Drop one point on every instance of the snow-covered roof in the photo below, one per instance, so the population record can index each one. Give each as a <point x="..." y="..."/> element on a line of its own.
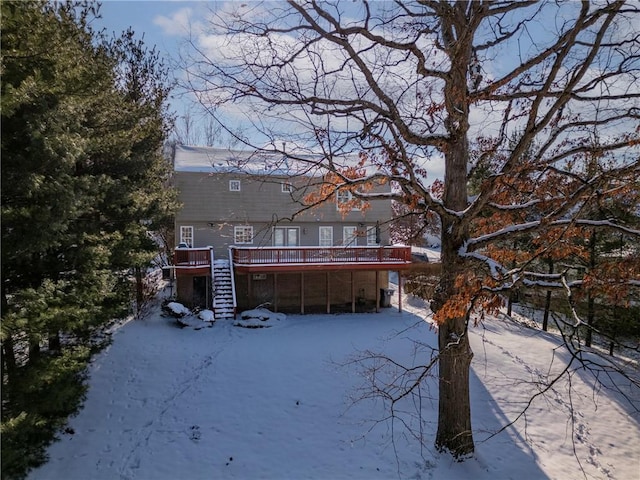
<point x="220" y="160"/>
<point x="259" y="162"/>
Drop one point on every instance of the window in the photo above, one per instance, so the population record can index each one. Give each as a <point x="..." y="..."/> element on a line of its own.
<point x="186" y="236"/>
<point x="234" y="185"/>
<point x="243" y="234"/>
<point x="286" y="236"/>
<point x="326" y="236"/>
<point x="345" y="196"/>
<point x="286" y="187"/>
<point x="349" y="236"/>
<point x="373" y="236"/>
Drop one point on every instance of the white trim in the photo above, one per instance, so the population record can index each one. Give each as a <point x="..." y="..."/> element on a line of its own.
<point x="286" y="187"/>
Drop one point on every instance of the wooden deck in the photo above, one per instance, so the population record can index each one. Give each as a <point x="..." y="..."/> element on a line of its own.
<point x="197" y="261"/>
<point x="302" y="262"/>
<point x="292" y="259"/>
<point x="192" y="261"/>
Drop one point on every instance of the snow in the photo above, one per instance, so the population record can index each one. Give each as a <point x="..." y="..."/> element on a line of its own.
<point x="259" y="318"/>
<point x="206" y="316"/>
<point x="432" y="254"/>
<point x="277" y="403"/>
<point x="178" y="308"/>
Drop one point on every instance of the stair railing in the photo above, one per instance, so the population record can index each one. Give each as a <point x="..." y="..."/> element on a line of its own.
<point x="233" y="283"/>
<point x="213" y="282"/>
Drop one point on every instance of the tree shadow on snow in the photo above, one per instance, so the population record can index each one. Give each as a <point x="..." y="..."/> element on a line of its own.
<point x="529" y="374"/>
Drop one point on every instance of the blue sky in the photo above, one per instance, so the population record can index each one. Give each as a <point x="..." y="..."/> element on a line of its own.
<point x="142" y="16"/>
<point x="150" y="18"/>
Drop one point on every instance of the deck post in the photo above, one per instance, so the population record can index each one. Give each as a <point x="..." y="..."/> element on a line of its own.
<point x="302" y="293"/>
<point x="328" y="294"/>
<point x="353" y="294"/>
<point x="377" y="291"/>
<point x="275" y="292"/>
<point x="400" y="291"/>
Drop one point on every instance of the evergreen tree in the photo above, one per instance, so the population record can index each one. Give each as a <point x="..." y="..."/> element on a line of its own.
<point x="83" y="184"/>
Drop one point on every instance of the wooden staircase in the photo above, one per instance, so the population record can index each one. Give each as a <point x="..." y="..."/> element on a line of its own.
<point x="223" y="307"/>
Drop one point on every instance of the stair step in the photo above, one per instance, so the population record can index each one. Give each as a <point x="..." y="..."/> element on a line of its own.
<point x="222" y="290"/>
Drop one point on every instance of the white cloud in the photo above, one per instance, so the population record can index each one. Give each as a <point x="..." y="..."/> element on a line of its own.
<point x="177" y="24"/>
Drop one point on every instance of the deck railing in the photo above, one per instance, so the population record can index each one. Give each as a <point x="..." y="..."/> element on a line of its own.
<point x="192" y="257"/>
<point x="319" y="255"/>
<point x="233" y="282"/>
<point x="200" y="257"/>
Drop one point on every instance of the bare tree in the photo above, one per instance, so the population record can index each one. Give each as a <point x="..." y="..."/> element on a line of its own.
<point x="409" y="86"/>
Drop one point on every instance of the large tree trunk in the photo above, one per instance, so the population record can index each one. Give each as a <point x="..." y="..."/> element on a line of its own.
<point x="454" y="419"/>
<point x="454" y="410"/>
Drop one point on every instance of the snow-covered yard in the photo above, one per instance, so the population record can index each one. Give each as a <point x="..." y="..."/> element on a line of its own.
<point x="275" y="403"/>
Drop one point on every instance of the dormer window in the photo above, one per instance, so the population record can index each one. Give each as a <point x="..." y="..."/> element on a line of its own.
<point x="234" y="185"/>
<point x="286" y="187"/>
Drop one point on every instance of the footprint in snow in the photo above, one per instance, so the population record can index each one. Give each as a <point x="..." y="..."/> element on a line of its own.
<point x="195" y="434"/>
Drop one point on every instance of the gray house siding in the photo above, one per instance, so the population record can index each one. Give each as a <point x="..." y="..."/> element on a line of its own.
<point x="213" y="210"/>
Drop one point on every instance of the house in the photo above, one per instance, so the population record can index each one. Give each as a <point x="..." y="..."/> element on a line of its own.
<point x="248" y="235"/>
